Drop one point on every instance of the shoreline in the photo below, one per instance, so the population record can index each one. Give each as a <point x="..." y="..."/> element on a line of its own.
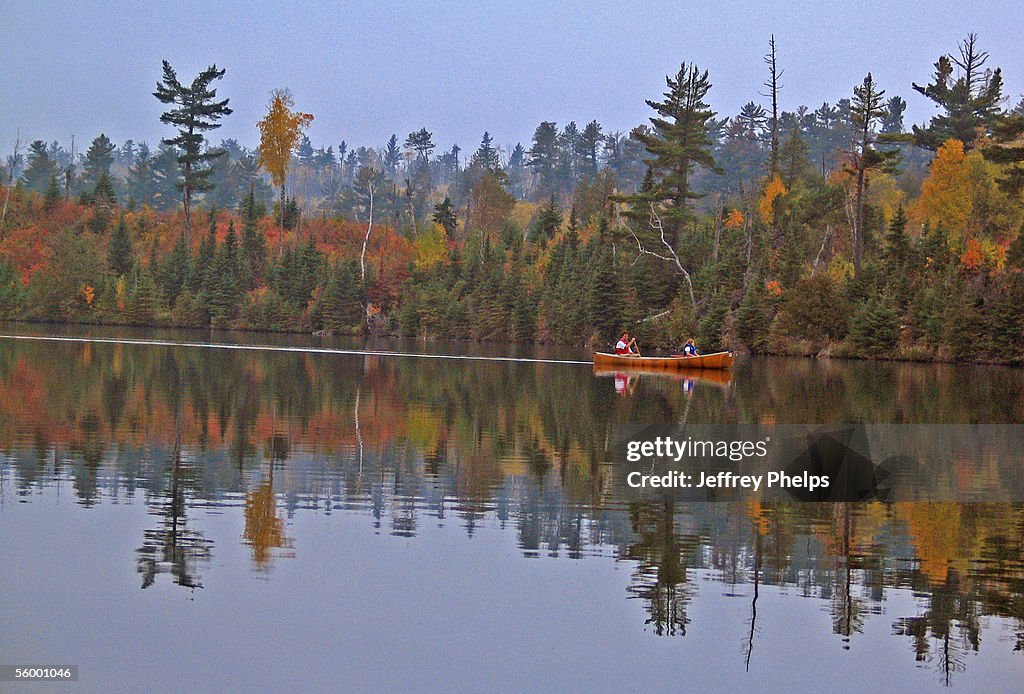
<point x="799" y="350"/>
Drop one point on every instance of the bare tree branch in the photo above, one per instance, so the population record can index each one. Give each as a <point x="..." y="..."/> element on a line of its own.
<point x="672" y="257"/>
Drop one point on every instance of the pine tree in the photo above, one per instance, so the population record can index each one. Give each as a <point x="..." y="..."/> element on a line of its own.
<point x="52" y="197"/>
<point x="679" y="144"/>
<point x="176" y="272"/>
<point x="603" y="307"/>
<point x="97" y="162"/>
<point x="543" y="158"/>
<point x="194" y="112"/>
<point x="141" y="182"/>
<point x="221" y="291"/>
<point x="143" y="302"/>
<point x="486" y="156"/>
<point x="549" y="221"/>
<point x="204" y="259"/>
<point x="253" y="249"/>
<point x="753" y="317"/>
<point x="119" y="250"/>
<point x="103" y="195"/>
<point x="587" y="148"/>
<point x="444" y="214"/>
<point x="342" y="299"/>
<point x="866" y="109"/>
<point x="391" y="157"/>
<point x="39" y="169"/>
<point x="875" y="327"/>
<point x="1007" y="149"/>
<point x="897" y="244"/>
<point x="970" y="102"/>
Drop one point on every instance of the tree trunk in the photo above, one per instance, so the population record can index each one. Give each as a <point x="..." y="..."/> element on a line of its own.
<point x="280" y="234"/>
<point x="366" y="241"/>
<point x="186" y="231"/>
<point x="858" y="223"/>
<point x="718" y="230"/>
<point x="773" y="86"/>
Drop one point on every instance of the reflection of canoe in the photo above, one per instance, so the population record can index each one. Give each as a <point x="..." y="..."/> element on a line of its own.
<point x="718" y="360"/>
<point x="720" y="377"/>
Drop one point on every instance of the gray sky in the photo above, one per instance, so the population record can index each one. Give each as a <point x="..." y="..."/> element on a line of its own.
<point x="366" y="70"/>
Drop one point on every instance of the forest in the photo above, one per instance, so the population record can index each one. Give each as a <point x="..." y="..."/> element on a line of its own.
<point x="836" y="230"/>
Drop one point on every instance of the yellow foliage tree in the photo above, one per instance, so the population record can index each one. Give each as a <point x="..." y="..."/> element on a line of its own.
<point x="946" y="195"/>
<point x="429" y="248"/>
<point x="766" y="205"/>
<point x="959" y="193"/>
<point x="734" y="219"/>
<point x="120" y="293"/>
<point x="280" y="131"/>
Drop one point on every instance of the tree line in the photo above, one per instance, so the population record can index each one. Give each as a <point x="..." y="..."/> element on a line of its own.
<point x="836" y="229"/>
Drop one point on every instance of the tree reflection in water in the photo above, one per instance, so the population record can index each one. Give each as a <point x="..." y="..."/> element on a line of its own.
<point x="521" y="447"/>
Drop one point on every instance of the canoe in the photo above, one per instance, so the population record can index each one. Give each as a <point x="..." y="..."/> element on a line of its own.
<point x="718" y="360"/>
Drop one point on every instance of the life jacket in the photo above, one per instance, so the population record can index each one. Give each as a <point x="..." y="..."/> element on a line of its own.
<point x="621" y="348"/>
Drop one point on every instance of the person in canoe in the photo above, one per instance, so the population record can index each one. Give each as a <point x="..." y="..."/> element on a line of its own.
<point x="690" y="349"/>
<point x="625" y="345"/>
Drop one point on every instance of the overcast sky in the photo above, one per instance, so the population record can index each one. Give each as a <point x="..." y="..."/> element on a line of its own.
<point x="366" y="70"/>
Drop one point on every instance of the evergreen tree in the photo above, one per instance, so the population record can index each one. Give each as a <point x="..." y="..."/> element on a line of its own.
<point x="176" y="272"/>
<point x="103" y="201"/>
<point x="897" y="244"/>
<point x="253" y="249"/>
<point x="52" y="197"/>
<point x="141" y="181"/>
<point x="342" y="298"/>
<point x="143" y="302"/>
<point x="221" y="291"/>
<point x="119" y="250"/>
<point x="875" y="327"/>
<point x="97" y="162"/>
<point x="549" y="220"/>
<point x="866" y="109"/>
<point x="753" y="317"/>
<point x="679" y="143"/>
<point x="1007" y="149"/>
<point x="970" y="102"/>
<point x="205" y="257"/>
<point x="604" y="292"/>
<point x="543" y="158"/>
<point x="166" y="177"/>
<point x="391" y="158"/>
<point x="444" y="215"/>
<point x="194" y="112"/>
<point x="587" y="148"/>
<point x="486" y="156"/>
<point x="103" y="195"/>
<point x="39" y="168"/>
<point x="517" y="171"/>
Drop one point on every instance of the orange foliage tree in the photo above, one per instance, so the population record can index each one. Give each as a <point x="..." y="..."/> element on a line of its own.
<point x="766" y="205"/>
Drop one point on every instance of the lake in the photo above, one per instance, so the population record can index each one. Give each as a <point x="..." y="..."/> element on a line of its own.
<point x="219" y="519"/>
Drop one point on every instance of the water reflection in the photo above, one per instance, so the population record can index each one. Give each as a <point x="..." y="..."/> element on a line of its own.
<point x="408" y="442"/>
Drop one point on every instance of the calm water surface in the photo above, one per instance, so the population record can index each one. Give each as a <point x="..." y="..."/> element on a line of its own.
<point x="188" y="519"/>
